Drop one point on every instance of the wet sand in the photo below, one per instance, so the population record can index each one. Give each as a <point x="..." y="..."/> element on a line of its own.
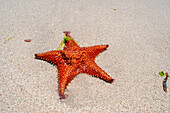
<point x="138" y="36"/>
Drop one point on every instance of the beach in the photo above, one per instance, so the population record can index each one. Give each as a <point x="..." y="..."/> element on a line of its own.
<point x="138" y="36"/>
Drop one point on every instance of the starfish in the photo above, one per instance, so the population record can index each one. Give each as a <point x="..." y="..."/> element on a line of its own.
<point x="73" y="60"/>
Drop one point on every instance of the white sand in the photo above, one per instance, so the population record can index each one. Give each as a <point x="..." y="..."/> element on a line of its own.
<point x="138" y="37"/>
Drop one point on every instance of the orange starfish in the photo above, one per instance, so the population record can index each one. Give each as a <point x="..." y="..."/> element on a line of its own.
<point x="73" y="60"/>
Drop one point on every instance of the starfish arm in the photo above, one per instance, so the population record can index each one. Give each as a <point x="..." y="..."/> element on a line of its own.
<point x="93" y="51"/>
<point x="51" y="56"/>
<point x="93" y="69"/>
<point x="70" y="44"/>
<point x="66" y="74"/>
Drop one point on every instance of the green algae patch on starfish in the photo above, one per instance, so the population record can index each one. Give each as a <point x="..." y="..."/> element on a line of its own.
<point x="65" y="39"/>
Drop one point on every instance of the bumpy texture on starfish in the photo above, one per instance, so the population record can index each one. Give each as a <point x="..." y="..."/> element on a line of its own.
<point x="73" y="60"/>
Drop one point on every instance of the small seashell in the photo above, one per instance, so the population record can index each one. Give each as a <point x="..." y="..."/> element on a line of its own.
<point x="67" y="32"/>
<point x="27" y="40"/>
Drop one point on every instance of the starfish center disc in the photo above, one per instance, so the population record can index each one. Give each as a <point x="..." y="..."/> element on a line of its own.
<point x="73" y="57"/>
